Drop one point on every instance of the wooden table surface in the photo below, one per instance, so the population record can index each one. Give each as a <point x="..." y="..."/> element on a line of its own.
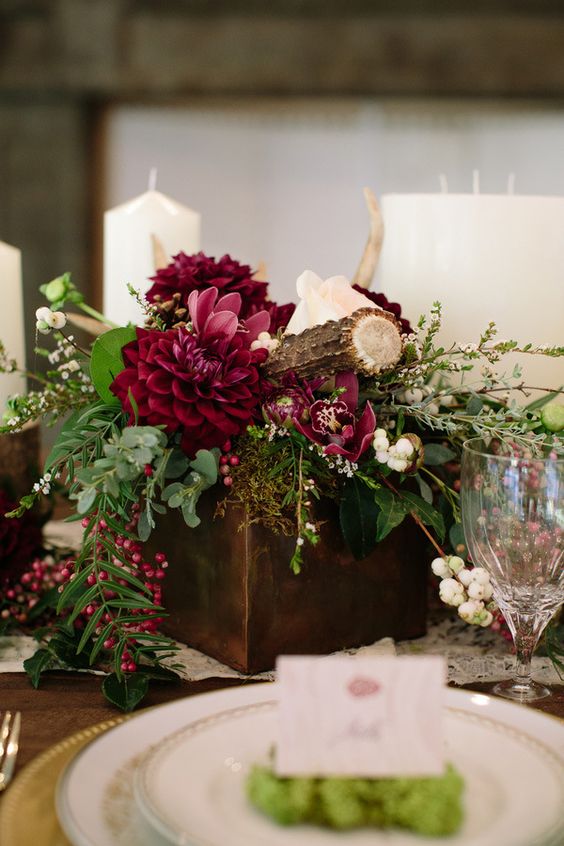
<point x="68" y="702"/>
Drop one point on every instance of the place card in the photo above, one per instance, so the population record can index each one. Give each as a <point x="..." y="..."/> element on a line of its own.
<point x="365" y="717"/>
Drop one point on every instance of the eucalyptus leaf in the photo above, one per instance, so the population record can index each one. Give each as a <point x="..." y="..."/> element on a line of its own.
<point x="86" y="500"/>
<point x="474" y="405"/>
<point x="206" y="464"/>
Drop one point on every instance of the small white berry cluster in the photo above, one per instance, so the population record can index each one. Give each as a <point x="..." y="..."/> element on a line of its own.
<point x="417" y="395"/>
<point x="265" y="341"/>
<point x="43" y="485"/>
<point x="465" y="588"/>
<point x="46" y="320"/>
<point x="398" y="456"/>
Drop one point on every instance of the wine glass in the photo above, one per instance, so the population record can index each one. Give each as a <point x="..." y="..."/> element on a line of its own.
<point x="513" y="518"/>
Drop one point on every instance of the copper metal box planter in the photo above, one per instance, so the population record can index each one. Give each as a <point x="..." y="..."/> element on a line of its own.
<point x="229" y="591"/>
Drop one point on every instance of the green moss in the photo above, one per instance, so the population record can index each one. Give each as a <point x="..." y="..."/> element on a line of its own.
<point x="430" y="806"/>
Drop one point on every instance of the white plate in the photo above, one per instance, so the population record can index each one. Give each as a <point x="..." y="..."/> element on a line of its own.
<point x="191" y="787"/>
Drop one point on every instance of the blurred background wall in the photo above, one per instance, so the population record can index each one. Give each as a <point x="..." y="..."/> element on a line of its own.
<point x="267" y="117"/>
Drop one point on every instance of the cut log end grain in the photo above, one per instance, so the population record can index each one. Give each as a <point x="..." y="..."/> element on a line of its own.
<point x="368" y="341"/>
<point x="377" y="342"/>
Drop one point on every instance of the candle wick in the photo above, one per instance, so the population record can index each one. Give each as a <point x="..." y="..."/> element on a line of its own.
<point x="153" y="179"/>
<point x="511" y="183"/>
<point x="476" y="181"/>
<point x="443" y="183"/>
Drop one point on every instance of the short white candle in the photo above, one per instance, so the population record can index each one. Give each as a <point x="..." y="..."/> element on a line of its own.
<point x="484" y="257"/>
<point x="128" y="251"/>
<point x="12" y="332"/>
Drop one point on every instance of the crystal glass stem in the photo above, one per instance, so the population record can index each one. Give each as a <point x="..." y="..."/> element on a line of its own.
<point x="526" y="630"/>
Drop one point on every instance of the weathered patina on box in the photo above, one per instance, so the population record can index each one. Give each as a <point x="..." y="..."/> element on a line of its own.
<point x="230" y="592"/>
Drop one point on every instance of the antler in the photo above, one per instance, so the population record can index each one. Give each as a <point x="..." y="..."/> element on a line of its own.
<point x="159" y="255"/>
<point x="369" y="261"/>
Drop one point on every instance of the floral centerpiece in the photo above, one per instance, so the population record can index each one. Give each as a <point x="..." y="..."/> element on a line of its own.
<point x="274" y="406"/>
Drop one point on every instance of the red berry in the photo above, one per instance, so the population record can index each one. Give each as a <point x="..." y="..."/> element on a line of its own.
<point x="226" y="446"/>
<point x="148" y="471"/>
<point x="223" y="459"/>
<point x="234" y="460"/>
<point x="228" y="481"/>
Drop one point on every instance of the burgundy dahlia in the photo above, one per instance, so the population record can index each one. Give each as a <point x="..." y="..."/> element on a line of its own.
<point x="196" y="273"/>
<point x="382" y="301"/>
<point x="205" y="383"/>
<point x="334" y="425"/>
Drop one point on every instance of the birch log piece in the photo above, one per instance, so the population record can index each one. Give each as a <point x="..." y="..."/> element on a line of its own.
<point x="369" y="261"/>
<point x="368" y="341"/>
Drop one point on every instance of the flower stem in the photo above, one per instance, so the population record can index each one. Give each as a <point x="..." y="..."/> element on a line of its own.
<point x="417" y="519"/>
<point x="97" y="315"/>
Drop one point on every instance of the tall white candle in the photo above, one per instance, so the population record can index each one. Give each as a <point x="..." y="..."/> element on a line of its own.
<point x="484" y="257"/>
<point x="128" y="251"/>
<point x="12" y="332"/>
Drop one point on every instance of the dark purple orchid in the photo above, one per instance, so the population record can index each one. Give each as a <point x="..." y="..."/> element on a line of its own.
<point x="333" y="423"/>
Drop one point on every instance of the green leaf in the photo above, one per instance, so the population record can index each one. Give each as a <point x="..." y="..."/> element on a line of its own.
<point x="206" y="464"/>
<point x="426" y="513"/>
<point x="34" y="666"/>
<point x="424" y="489"/>
<point x="60" y="449"/>
<point x="107" y="360"/>
<point x="437" y="454"/>
<point x="126" y="692"/>
<point x="86" y="500"/>
<point x="176" y="465"/>
<point x="190" y="517"/>
<point x="474" y="406"/>
<point x="392" y="512"/>
<point x="358" y="514"/>
<point x="158" y="673"/>
<point x="145" y="526"/>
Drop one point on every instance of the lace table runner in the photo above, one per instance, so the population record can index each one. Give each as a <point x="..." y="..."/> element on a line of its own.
<point x="472" y="653"/>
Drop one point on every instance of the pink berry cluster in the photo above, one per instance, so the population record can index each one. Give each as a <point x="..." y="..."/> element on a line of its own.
<point x="18" y="597"/>
<point x="227" y="461"/>
<point x="130" y="557"/>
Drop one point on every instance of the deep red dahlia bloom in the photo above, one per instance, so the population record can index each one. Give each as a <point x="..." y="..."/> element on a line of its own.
<point x="205" y="383"/>
<point x="199" y="272"/>
<point x="196" y="273"/>
<point x="334" y="425"/>
<point x="382" y="301"/>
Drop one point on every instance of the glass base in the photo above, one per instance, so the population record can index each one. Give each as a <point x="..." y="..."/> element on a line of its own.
<point x="521" y="692"/>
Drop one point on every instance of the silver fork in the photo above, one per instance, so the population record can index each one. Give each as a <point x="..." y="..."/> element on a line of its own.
<point x="9" y="744"/>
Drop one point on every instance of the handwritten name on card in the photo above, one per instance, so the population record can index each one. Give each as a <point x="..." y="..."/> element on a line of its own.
<point x="365" y="717"/>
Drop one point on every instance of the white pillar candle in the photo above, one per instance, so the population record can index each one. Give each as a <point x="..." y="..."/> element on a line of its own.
<point x="12" y="332"/>
<point x="484" y="257"/>
<point x="128" y="251"/>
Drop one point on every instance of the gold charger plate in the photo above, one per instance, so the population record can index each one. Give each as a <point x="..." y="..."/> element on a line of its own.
<point x="27" y="814"/>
